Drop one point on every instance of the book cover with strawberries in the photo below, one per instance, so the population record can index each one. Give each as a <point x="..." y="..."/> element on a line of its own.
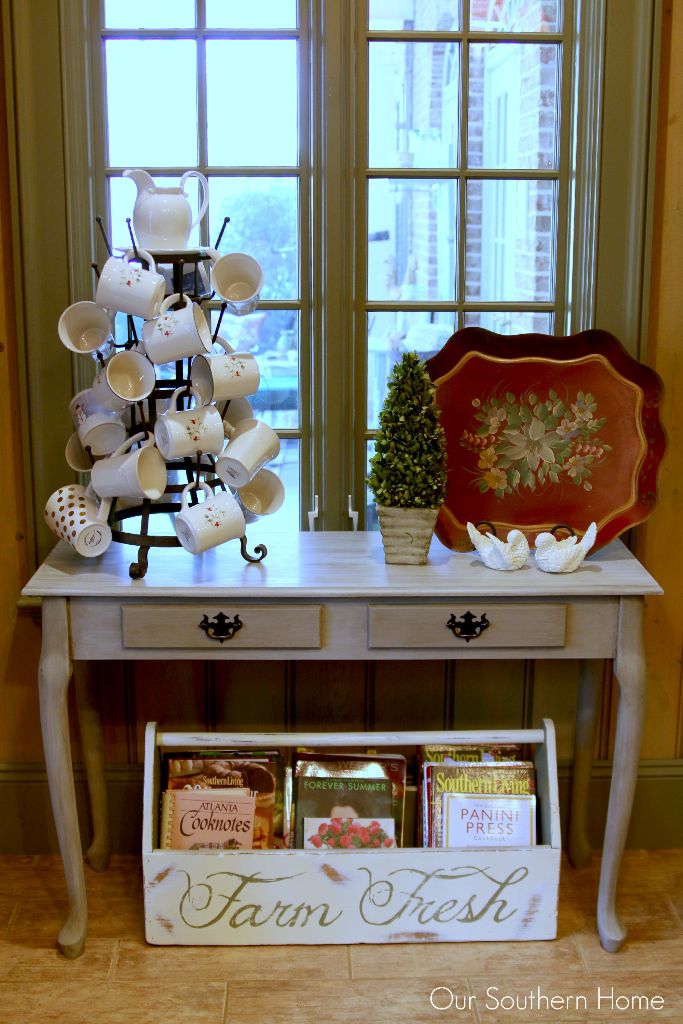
<point x="355" y="764"/>
<point x="344" y="796"/>
<point x="348" y="833"/>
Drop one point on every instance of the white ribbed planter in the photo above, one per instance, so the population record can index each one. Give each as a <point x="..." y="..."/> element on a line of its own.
<point x="406" y="533"/>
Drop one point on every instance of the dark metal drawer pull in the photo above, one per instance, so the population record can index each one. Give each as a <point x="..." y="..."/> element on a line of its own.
<point x="221" y="628"/>
<point x="467" y="627"/>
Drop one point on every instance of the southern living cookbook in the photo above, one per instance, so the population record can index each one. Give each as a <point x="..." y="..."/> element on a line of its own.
<point x="469" y="752"/>
<point x="476" y="779"/>
<point x="206" y="819"/>
<point x="356" y="765"/>
<point x="449" y="753"/>
<point x="257" y="771"/>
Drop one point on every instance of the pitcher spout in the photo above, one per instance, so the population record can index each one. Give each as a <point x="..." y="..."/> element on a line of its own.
<point x="142" y="179"/>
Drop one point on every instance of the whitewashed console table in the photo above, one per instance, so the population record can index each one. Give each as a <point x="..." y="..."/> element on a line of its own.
<point x="331" y="596"/>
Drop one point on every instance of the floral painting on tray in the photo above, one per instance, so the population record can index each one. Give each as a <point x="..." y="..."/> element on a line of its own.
<point x="543" y="430"/>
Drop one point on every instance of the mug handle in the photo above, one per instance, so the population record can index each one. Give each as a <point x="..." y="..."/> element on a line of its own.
<point x="225" y="345"/>
<point x="171" y="299"/>
<point x="186" y="491"/>
<point x="105" y="504"/>
<point x="205" y="194"/>
<point x="104" y="510"/>
<point x="144" y="254"/>
<point x="142" y="436"/>
<point x="173" y="403"/>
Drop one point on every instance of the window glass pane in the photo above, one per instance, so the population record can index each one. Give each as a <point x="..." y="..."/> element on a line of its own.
<point x="121" y="329"/>
<point x="271" y="336"/>
<point x="252" y="116"/>
<point x="150" y="14"/>
<point x="255" y="14"/>
<point x="414" y="93"/>
<point x="411" y="239"/>
<point x="146" y="129"/>
<point x="516" y="15"/>
<point x="510" y="241"/>
<point x="264" y="214"/>
<point x="371" y="520"/>
<point x="287" y="519"/>
<point x="390" y="334"/>
<point x="507" y="322"/>
<point x="122" y="192"/>
<point x="405" y="15"/>
<point x="513" y="91"/>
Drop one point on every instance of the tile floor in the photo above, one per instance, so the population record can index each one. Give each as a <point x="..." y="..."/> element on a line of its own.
<point x="121" y="980"/>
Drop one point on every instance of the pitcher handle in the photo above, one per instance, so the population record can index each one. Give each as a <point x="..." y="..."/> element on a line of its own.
<point x="205" y="194"/>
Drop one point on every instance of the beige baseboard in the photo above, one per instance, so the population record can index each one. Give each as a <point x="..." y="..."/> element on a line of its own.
<point x="28" y="827"/>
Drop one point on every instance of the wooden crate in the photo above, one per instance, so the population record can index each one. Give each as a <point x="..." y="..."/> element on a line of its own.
<point x="267" y="897"/>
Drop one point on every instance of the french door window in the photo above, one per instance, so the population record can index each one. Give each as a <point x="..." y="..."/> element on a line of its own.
<point x="400" y="168"/>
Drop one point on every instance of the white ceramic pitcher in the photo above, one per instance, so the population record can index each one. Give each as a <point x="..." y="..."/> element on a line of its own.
<point x="162" y="217"/>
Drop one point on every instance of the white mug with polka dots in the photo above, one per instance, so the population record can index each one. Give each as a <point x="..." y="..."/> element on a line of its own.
<point x="76" y="518"/>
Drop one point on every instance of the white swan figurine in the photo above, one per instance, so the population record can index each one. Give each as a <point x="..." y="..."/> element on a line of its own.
<point x="499" y="554"/>
<point x="563" y="555"/>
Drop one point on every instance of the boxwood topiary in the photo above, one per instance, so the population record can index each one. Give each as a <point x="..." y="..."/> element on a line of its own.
<point x="408" y="469"/>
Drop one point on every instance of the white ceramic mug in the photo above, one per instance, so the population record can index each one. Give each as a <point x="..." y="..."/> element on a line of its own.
<point x="238" y="410"/>
<point x="230" y="375"/>
<point x="129" y="287"/>
<point x="251" y="444"/>
<point x="127" y="474"/>
<point x="237" y="278"/>
<point x="99" y="429"/>
<point x="74" y="517"/>
<point x="127" y="377"/>
<point x="178" y="434"/>
<point x="84" y="327"/>
<point x="262" y="496"/>
<point x="211" y="522"/>
<point x="76" y="456"/>
<point x="176" y="333"/>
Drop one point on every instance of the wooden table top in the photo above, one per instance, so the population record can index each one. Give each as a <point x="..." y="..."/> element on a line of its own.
<point x="327" y="565"/>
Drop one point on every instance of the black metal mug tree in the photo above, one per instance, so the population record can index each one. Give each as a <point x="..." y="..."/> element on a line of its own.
<point x="201" y="469"/>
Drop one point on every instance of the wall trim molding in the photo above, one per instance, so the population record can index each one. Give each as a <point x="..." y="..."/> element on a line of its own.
<point x="22" y="786"/>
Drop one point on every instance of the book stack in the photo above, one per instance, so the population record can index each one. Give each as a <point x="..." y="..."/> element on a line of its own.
<point x="476" y="797"/>
<point x="235" y="797"/>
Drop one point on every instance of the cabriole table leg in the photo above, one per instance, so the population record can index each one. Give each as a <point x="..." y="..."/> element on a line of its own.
<point x="586" y="722"/>
<point x="99" y="851"/>
<point x="53" y="676"/>
<point x="630" y="671"/>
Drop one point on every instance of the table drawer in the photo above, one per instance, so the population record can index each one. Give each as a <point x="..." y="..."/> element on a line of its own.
<point x="210" y="626"/>
<point x="470" y="625"/>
